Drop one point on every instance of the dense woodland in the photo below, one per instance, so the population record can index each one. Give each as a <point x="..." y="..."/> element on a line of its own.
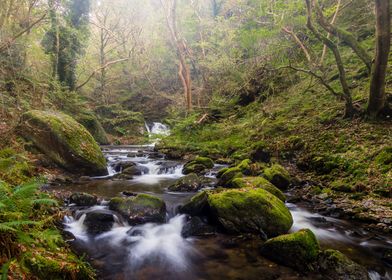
<point x="297" y="92"/>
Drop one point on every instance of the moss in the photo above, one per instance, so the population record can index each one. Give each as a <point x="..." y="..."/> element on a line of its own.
<point x="142" y="208"/>
<point x="230" y="174"/>
<point x="245" y="167"/>
<point x="384" y="159"/>
<point x="190" y="182"/>
<point x="207" y="162"/>
<point x="278" y="176"/>
<point x="15" y="169"/>
<point x="92" y="124"/>
<point x="295" y="143"/>
<point x="258" y="182"/>
<point x="221" y="172"/>
<point x="260" y="152"/>
<point x="298" y="250"/>
<point x="64" y="140"/>
<point x="342" y="186"/>
<point x="250" y="210"/>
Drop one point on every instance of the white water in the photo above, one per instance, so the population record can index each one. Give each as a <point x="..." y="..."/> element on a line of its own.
<point x="159" y="129"/>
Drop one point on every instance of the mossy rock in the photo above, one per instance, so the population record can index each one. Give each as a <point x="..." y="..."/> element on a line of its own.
<point x="221" y="172"/>
<point x="258" y="182"/>
<point x="278" y="176"/>
<point x="297" y="250"/>
<point x="245" y="167"/>
<point x="250" y="211"/>
<point x="63" y="140"/>
<point x="341" y="186"/>
<point x="83" y="199"/>
<point x="199" y="165"/>
<point x="188" y="183"/>
<point x="98" y="221"/>
<point x="198" y="205"/>
<point x="228" y="176"/>
<point x="334" y="265"/>
<point x="92" y="124"/>
<point x="140" y="209"/>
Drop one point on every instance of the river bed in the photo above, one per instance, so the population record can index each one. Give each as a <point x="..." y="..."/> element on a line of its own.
<point x="161" y="252"/>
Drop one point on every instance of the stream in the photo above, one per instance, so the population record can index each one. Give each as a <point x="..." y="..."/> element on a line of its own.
<point x="153" y="251"/>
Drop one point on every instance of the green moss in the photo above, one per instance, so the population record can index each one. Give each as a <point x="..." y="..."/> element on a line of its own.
<point x="64" y="140"/>
<point x="207" y="162"/>
<point x="227" y="177"/>
<point x="341" y="186"/>
<point x="250" y="210"/>
<point x="15" y="168"/>
<point x="197" y="204"/>
<point x="258" y="182"/>
<point x="245" y="167"/>
<point x="221" y="172"/>
<point x="384" y="159"/>
<point x="278" y="176"/>
<point x="92" y="124"/>
<point x="297" y="250"/>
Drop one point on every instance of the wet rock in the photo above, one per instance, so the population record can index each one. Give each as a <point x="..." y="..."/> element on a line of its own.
<point x="135" y="170"/>
<point x="258" y="182"/>
<point x="336" y="266"/>
<point x="140" y="209"/>
<point x="98" y="221"/>
<point x="387" y="256"/>
<point x="198" y="205"/>
<point x="196" y="227"/>
<point x="122" y="176"/>
<point x="64" y="141"/>
<point x="320" y="222"/>
<point x="126" y="193"/>
<point x="188" y="183"/>
<point x="250" y="211"/>
<point x="199" y="165"/>
<point x="278" y="176"/>
<point x="83" y="199"/>
<point x="122" y="165"/>
<point x="297" y="250"/>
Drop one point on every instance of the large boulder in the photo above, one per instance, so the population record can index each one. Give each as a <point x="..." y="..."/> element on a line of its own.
<point x="140" y="209"/>
<point x="83" y="199"/>
<point x="197" y="227"/>
<point x="258" y="182"/>
<point x="297" y="250"/>
<point x="63" y="140"/>
<point x="334" y="265"/>
<point x="278" y="176"/>
<point x="92" y="124"/>
<point x="199" y="165"/>
<point x="250" y="211"/>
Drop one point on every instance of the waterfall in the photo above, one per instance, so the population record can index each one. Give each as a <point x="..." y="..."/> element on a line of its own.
<point x="160" y="129"/>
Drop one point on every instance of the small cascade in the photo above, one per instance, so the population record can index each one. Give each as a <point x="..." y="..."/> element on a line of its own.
<point x="160" y="129"/>
<point x="147" y="128"/>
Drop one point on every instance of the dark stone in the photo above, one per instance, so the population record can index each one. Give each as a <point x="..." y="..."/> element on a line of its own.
<point x="188" y="183"/>
<point x="99" y="221"/>
<point x="387" y="256"/>
<point x="196" y="227"/>
<point x="135" y="170"/>
<point x="83" y="199"/>
<point x="198" y="205"/>
<point x="122" y="165"/>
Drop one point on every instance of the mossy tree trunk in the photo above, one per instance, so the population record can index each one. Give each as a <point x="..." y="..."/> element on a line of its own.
<point x="383" y="45"/>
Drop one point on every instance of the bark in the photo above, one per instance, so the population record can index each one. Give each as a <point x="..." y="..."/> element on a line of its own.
<point x="335" y="16"/>
<point x="343" y="35"/>
<point x="383" y="44"/>
<point x="349" y="108"/>
<point x="299" y="42"/>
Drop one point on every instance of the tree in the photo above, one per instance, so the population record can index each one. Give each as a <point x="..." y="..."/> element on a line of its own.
<point x="181" y="48"/>
<point x="383" y="44"/>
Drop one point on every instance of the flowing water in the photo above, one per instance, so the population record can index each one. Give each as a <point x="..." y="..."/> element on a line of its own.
<point x="152" y="251"/>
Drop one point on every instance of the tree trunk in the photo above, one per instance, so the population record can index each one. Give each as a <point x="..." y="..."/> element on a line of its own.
<point x="383" y="45"/>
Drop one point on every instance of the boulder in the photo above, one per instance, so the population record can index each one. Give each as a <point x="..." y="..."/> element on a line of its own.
<point x="198" y="205"/>
<point x="140" y="209"/>
<point x="199" y="165"/>
<point x="135" y="170"/>
<point x="228" y="176"/>
<point x="250" y="211"/>
<point x="278" y="176"/>
<point x="334" y="265"/>
<point x="122" y="165"/>
<point x="83" y="199"/>
<point x="258" y="182"/>
<point x="188" y="183"/>
<point x="63" y="140"/>
<point x="98" y="221"/>
<point x="245" y="167"/>
<point x="297" y="250"/>
<point x="92" y="124"/>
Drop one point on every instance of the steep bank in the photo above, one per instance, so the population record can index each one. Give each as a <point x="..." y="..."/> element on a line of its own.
<point x="339" y="163"/>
